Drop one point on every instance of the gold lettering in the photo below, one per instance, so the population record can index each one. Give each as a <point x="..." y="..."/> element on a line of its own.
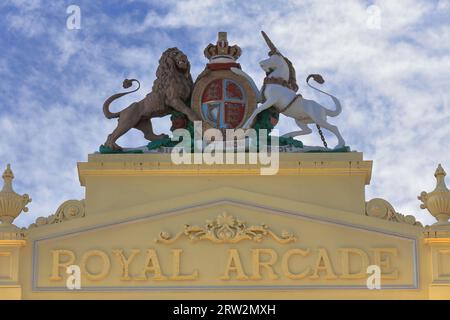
<point x="353" y="263"/>
<point x="285" y="264"/>
<point x="323" y="264"/>
<point x="57" y="264"/>
<point x="176" y="265"/>
<point x="345" y="263"/>
<point x="106" y="264"/>
<point x="383" y="260"/>
<point x="234" y="265"/>
<point x="125" y="262"/>
<point x="257" y="264"/>
<point x="152" y="265"/>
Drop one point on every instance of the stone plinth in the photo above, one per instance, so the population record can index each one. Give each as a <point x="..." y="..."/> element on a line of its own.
<point x="329" y="179"/>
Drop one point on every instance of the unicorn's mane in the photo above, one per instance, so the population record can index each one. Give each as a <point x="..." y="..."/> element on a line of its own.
<point x="292" y="78"/>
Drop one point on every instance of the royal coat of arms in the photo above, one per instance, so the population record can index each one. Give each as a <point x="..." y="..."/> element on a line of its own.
<point x="222" y="98"/>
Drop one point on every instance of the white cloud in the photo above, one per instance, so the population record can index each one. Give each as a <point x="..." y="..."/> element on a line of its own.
<point x="443" y="5"/>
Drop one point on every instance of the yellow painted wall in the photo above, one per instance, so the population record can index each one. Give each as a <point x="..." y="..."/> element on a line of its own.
<point x="317" y="198"/>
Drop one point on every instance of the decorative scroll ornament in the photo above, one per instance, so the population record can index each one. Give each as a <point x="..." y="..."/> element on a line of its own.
<point x="380" y="208"/>
<point x="69" y="210"/>
<point x="226" y="229"/>
<point x="437" y="201"/>
<point x="11" y="203"/>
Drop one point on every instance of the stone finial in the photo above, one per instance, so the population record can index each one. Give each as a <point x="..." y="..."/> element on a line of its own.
<point x="438" y="201"/>
<point x="11" y="203"/>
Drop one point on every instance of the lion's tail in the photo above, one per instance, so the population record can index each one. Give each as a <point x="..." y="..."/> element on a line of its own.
<point x="127" y="83"/>
<point x="318" y="78"/>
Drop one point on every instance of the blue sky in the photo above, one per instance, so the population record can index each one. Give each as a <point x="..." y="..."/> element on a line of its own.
<point x="392" y="77"/>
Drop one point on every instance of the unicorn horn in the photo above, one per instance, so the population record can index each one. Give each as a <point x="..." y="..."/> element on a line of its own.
<point x="272" y="47"/>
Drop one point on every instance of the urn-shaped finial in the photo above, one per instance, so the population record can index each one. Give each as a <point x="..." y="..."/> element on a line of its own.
<point x="438" y="201"/>
<point x="11" y="203"/>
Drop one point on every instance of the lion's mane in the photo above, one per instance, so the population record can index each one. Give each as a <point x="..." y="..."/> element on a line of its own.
<point x="170" y="80"/>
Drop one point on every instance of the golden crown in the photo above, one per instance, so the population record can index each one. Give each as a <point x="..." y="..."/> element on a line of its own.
<point x="221" y="51"/>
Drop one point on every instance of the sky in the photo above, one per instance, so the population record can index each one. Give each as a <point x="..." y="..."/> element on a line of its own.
<point x="387" y="61"/>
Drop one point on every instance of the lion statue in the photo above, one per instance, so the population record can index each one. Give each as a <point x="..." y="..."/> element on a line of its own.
<point x="171" y="89"/>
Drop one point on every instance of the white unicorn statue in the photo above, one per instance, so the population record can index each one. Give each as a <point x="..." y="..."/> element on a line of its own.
<point x="279" y="90"/>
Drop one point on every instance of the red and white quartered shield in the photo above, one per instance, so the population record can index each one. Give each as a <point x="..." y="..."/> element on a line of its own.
<point x="223" y="103"/>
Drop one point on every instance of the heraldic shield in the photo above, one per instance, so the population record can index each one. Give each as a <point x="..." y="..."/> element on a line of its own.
<point x="221" y="97"/>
